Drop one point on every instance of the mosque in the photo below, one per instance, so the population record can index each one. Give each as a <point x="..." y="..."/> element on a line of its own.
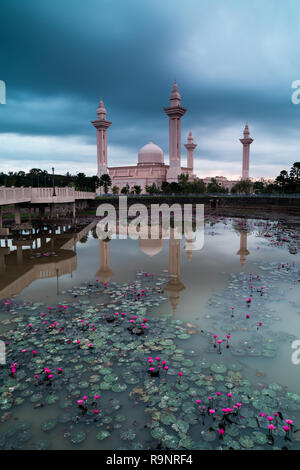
<point x="151" y="167"/>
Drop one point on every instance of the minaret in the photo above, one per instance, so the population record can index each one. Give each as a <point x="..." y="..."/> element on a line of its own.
<point x="243" y="251"/>
<point x="246" y="141"/>
<point x="190" y="146"/>
<point x="175" y="113"/>
<point x="101" y="125"/>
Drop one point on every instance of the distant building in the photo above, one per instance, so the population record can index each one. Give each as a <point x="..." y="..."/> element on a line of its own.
<point x="222" y="181"/>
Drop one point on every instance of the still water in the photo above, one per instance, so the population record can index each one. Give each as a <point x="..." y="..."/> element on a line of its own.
<point x="109" y="307"/>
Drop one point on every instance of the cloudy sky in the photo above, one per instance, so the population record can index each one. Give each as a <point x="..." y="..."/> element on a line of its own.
<point x="234" y="61"/>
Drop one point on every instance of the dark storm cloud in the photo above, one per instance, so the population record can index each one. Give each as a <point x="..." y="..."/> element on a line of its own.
<point x="233" y="62"/>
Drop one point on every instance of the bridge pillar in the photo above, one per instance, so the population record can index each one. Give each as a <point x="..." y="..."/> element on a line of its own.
<point x="17" y="214"/>
<point x="74" y="210"/>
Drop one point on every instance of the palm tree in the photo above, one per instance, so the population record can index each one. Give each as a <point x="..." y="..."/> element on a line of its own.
<point x="137" y="189"/>
<point x="106" y="182"/>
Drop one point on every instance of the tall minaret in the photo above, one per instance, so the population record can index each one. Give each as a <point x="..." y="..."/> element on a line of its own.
<point x="101" y="125"/>
<point x="175" y="113"/>
<point x="190" y="146"/>
<point x="246" y="141"/>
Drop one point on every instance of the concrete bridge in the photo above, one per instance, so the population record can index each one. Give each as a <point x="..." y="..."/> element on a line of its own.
<point x="13" y="195"/>
<point x="64" y="199"/>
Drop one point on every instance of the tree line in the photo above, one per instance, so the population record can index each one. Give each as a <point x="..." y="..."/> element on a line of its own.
<point x="286" y="182"/>
<point x="37" y="178"/>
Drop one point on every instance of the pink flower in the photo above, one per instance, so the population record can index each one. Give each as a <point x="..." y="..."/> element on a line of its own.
<point x="85" y="398"/>
<point x="96" y="397"/>
<point x="96" y="411"/>
<point x="79" y="402"/>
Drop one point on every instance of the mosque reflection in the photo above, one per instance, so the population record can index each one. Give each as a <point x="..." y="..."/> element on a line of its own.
<point x="44" y="251"/>
<point x="152" y="247"/>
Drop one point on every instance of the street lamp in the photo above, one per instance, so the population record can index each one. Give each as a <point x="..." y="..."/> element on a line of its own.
<point x="53" y="192"/>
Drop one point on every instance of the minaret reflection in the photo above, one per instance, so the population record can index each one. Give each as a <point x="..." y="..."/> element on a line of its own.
<point x="174" y="286"/>
<point x="243" y="251"/>
<point x="189" y="244"/>
<point x="104" y="273"/>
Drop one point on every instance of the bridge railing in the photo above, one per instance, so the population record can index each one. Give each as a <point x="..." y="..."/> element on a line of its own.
<point x="84" y="195"/>
<point x="41" y="195"/>
<point x="14" y="195"/>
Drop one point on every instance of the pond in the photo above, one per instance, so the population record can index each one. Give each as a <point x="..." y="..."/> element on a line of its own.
<point x="150" y="344"/>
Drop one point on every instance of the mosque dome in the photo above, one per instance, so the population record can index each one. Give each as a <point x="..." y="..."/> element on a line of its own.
<point x="150" y="153"/>
<point x="151" y="247"/>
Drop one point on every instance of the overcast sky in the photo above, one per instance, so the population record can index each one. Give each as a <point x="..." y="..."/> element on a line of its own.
<point x="234" y="61"/>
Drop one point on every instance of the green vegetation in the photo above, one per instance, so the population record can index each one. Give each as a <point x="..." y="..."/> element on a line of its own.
<point x="41" y="178"/>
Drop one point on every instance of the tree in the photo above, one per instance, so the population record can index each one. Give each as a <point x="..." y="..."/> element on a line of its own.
<point x="174" y="187"/>
<point x="152" y="189"/>
<point x="115" y="190"/>
<point x="215" y="187"/>
<point x="137" y="189"/>
<point x="106" y="182"/>
<point x="183" y="182"/>
<point x="125" y="189"/>
<point x="165" y="187"/>
<point x="81" y="181"/>
<point x="295" y="173"/>
<point x="242" y="187"/>
<point x="95" y="183"/>
<point x="282" y="179"/>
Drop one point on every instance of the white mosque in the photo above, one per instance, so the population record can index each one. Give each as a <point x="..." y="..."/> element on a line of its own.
<point x="151" y="167"/>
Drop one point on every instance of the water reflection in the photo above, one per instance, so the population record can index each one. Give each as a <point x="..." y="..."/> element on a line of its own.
<point x="46" y="251"/>
<point x="38" y="252"/>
